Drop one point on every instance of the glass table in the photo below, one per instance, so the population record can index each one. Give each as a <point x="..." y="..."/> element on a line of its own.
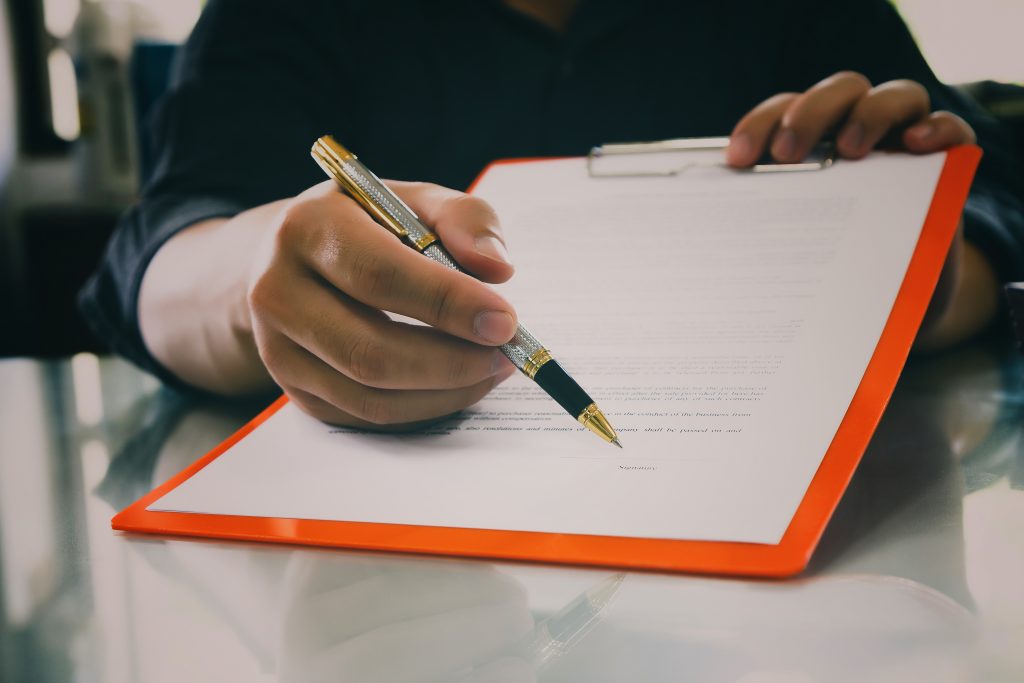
<point x="920" y="574"/>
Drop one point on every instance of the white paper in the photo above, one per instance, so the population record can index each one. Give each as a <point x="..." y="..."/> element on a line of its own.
<point x="722" y="320"/>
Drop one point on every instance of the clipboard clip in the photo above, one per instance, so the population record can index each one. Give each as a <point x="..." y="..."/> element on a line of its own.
<point x="673" y="157"/>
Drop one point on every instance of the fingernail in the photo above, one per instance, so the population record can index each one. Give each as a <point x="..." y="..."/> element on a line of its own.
<point x="501" y="364"/>
<point x="493" y="248"/>
<point x="853" y="137"/>
<point x="740" y="147"/>
<point x="495" y="327"/>
<point x="921" y="131"/>
<point x="784" y="147"/>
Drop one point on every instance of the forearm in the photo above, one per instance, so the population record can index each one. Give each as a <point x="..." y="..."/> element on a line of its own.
<point x="192" y="308"/>
<point x="973" y="301"/>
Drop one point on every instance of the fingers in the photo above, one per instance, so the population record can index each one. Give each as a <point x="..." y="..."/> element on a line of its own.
<point x="888" y="107"/>
<point x="343" y="245"/>
<point x="752" y="133"/>
<point x="938" y="131"/>
<point x="791" y="124"/>
<point x="812" y="114"/>
<point x="312" y="384"/>
<point x="467" y="225"/>
<point x="369" y="348"/>
<point x="316" y="302"/>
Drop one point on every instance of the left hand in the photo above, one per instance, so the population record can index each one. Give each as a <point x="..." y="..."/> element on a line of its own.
<point x="894" y="114"/>
<point x="897" y="113"/>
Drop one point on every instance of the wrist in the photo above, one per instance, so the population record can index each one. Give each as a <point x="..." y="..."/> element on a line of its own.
<point x="198" y="326"/>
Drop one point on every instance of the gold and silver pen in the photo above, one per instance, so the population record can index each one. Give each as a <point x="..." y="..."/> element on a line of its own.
<point x="525" y="352"/>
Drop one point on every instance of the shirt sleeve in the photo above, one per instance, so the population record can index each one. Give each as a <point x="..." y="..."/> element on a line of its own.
<point x="869" y="36"/>
<point x="233" y="132"/>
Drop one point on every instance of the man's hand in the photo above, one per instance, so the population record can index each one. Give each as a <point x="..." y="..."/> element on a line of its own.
<point x="898" y="115"/>
<point x="895" y="114"/>
<point x="294" y="292"/>
<point x="327" y="273"/>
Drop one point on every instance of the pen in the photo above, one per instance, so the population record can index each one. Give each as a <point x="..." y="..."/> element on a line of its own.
<point x="559" y="633"/>
<point x="525" y="352"/>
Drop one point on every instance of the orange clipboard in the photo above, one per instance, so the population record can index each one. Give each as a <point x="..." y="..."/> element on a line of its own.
<point x="786" y="558"/>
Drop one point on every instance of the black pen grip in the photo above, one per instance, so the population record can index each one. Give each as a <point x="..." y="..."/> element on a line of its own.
<point x="563" y="388"/>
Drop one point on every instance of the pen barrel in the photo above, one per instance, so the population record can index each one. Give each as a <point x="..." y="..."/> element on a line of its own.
<point x="384" y="205"/>
<point x="523" y="349"/>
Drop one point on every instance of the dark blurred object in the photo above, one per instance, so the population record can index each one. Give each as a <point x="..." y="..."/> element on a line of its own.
<point x="30" y="45"/>
<point x="1015" y="299"/>
<point x="150" y="74"/>
<point x="62" y="244"/>
<point x="59" y="245"/>
<point x="1005" y="103"/>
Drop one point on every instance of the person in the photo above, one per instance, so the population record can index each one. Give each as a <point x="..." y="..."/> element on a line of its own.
<point x="240" y="270"/>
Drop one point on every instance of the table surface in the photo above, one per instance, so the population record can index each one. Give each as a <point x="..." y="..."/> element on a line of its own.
<point x="920" y="574"/>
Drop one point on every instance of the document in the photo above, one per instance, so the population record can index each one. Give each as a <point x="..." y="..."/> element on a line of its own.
<point x="721" y="319"/>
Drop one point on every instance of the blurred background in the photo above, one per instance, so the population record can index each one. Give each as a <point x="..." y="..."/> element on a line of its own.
<point x="78" y="78"/>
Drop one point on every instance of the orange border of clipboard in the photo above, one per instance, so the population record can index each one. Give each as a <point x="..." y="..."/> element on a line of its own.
<point x="786" y="558"/>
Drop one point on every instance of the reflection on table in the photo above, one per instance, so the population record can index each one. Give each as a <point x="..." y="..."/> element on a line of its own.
<point x="918" y="576"/>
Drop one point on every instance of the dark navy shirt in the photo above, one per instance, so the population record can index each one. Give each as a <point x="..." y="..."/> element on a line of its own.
<point x="433" y="90"/>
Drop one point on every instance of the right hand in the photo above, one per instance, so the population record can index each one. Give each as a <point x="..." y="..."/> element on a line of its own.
<point x="327" y="273"/>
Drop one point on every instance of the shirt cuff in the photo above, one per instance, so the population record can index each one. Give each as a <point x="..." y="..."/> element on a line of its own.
<point x="109" y="300"/>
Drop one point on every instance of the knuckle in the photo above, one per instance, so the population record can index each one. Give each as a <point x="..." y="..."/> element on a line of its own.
<point x="263" y="294"/>
<point x="470" y="206"/>
<point x="273" y="357"/>
<point x="441" y="301"/>
<point x="460" y="369"/>
<point x="373" y="275"/>
<point x="366" y="360"/>
<point x="293" y="226"/>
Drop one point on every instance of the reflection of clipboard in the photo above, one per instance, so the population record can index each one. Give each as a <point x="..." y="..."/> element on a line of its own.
<point x="673" y="157"/>
<point x="828" y="481"/>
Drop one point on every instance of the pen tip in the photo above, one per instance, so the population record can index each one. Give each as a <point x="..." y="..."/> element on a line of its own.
<point x="616" y="442"/>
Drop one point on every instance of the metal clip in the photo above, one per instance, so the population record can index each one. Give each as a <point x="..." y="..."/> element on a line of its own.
<point x="820" y="158"/>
